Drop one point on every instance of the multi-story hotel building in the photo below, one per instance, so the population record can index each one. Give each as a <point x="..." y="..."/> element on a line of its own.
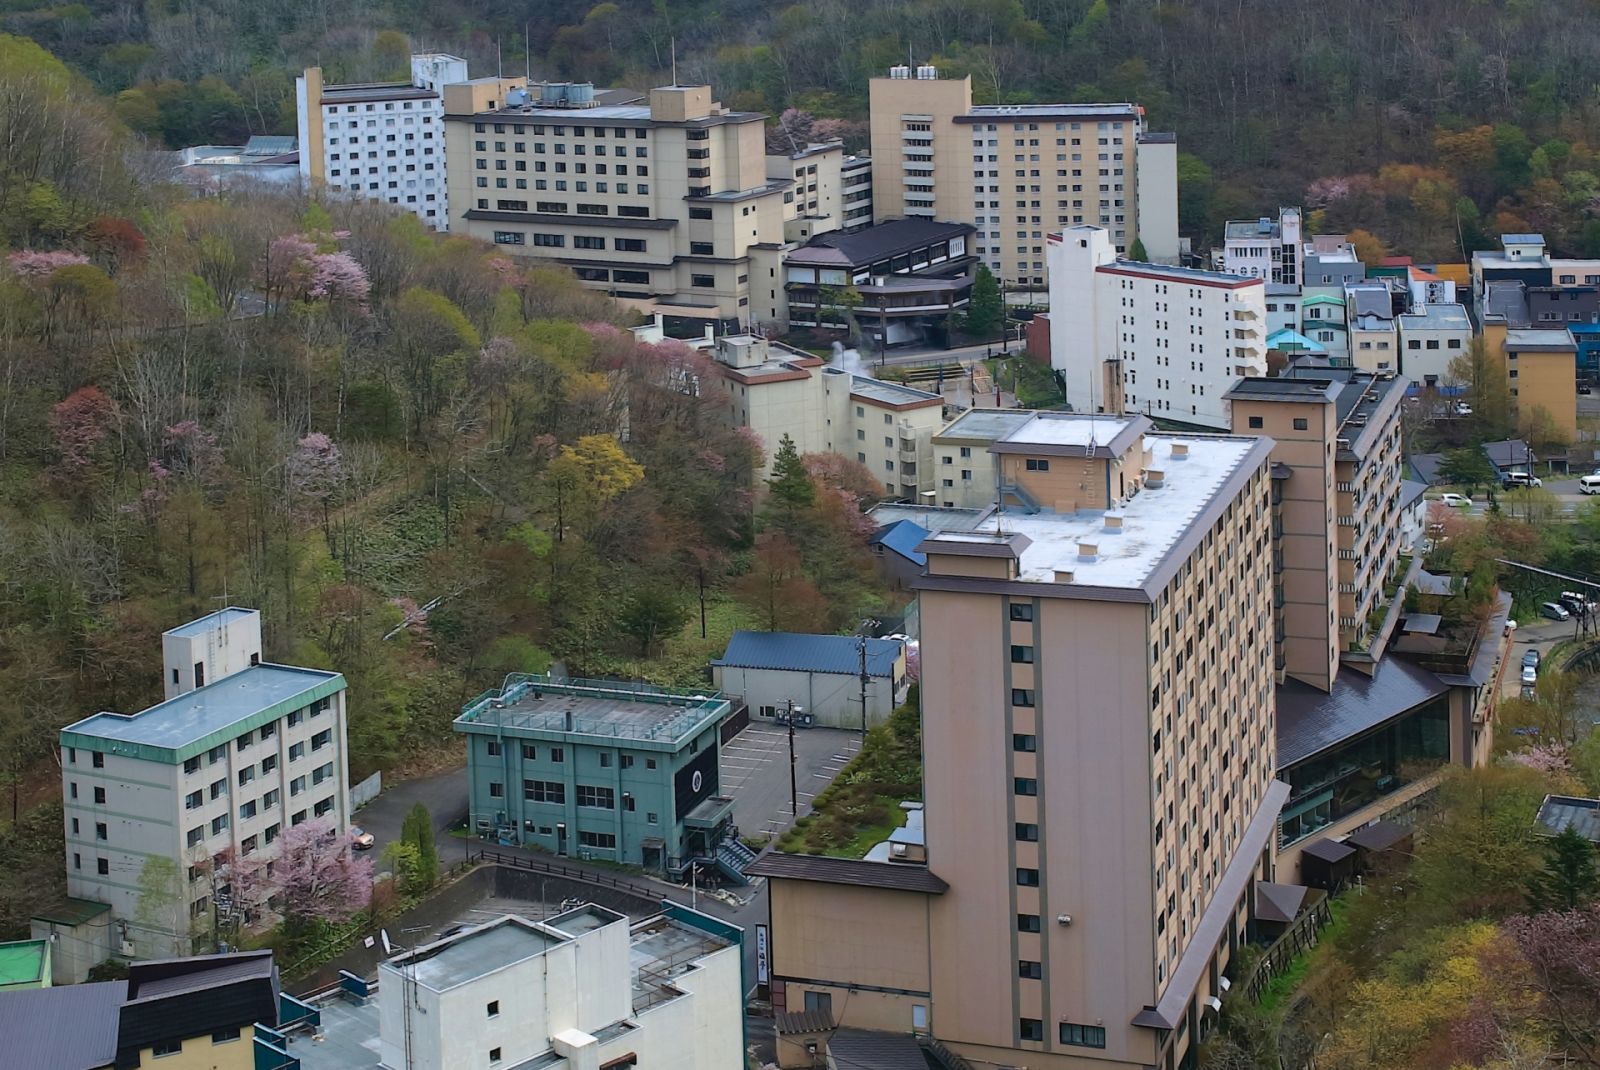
<point x="239" y="751"/>
<point x="1337" y="474"/>
<point x="380" y="141"/>
<point x="1265" y="248"/>
<point x="1020" y="172"/>
<point x="663" y="203"/>
<point x="1167" y="342"/>
<point x="1097" y="735"/>
<point x="855" y="178"/>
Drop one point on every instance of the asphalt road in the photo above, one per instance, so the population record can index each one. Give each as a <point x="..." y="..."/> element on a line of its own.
<point x="445" y="796"/>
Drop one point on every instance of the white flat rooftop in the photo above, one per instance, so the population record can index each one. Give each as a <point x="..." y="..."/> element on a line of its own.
<point x="1069" y="429"/>
<point x="1154" y="521"/>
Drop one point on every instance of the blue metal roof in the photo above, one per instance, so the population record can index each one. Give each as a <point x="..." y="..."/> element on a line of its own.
<point x="796" y="652"/>
<point x="903" y="537"/>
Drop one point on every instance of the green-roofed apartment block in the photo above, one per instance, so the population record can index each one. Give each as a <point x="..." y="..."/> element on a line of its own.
<point x="604" y="770"/>
<point x="239" y="751"/>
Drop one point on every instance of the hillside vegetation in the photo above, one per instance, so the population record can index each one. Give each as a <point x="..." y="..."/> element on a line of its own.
<point x="1433" y="124"/>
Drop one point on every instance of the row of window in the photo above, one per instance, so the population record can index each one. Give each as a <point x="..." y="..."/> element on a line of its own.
<point x="553" y="791"/>
<point x="559" y="241"/>
<point x="639" y="151"/>
<point x="1083" y="1036"/>
<point x="494" y="748"/>
<point x="561" y="131"/>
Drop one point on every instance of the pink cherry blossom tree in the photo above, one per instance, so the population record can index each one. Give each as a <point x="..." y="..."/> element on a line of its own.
<point x="319" y="877"/>
<point x="316" y="472"/>
<point x="78" y="424"/>
<point x="338" y="277"/>
<point x="288" y="267"/>
<point x="33" y="264"/>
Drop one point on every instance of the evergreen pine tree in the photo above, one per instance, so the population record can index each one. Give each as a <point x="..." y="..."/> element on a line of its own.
<point x="1136" y="251"/>
<point x="789" y="482"/>
<point x="1568" y="879"/>
<point x="985" y="308"/>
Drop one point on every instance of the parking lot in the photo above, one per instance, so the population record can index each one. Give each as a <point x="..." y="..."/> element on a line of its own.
<point x="755" y="772"/>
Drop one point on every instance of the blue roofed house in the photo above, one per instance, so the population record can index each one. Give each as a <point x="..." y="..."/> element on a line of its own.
<point x="895" y="546"/>
<point x="821" y="673"/>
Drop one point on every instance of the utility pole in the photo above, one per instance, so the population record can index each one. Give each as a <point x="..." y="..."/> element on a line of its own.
<point x="865" y="679"/>
<point x="794" y="789"/>
<point x="702" y="601"/>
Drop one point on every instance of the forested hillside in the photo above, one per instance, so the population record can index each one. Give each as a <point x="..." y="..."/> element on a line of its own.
<point x="426" y="465"/>
<point x="1435" y="124"/>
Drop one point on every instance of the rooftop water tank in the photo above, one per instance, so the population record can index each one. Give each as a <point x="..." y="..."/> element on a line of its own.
<point x="580" y="93"/>
<point x="554" y="93"/>
<point x="517" y="98"/>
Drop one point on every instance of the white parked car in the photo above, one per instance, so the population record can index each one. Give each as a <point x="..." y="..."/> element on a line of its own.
<point x="1456" y="501"/>
<point x="1463" y="409"/>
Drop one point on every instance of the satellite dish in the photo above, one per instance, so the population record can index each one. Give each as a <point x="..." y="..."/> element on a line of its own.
<point x="388" y="948"/>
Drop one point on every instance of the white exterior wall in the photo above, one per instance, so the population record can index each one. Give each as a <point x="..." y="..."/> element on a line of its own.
<point x="794" y="407"/>
<point x="704" y="1030"/>
<point x="147" y="814"/>
<point x="1156" y="164"/>
<point x="834" y="699"/>
<point x="231" y="643"/>
<point x="1183" y="339"/>
<point x="1283" y="313"/>
<point x="1082" y="334"/>
<point x="1417" y="364"/>
<point x="373" y="122"/>
<point x="577" y="987"/>
<point x="973" y="481"/>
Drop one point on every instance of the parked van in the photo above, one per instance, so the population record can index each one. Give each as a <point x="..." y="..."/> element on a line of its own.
<point x="1589" y="485"/>
<point x="1555" y="611"/>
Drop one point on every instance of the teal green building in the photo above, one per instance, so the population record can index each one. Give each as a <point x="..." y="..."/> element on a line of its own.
<point x="597" y="769"/>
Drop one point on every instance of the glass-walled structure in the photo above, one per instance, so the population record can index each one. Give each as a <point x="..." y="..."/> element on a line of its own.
<point x="1359" y="771"/>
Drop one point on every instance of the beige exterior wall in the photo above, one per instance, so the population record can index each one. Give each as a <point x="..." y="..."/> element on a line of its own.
<point x="642" y="228"/>
<point x="1547" y="381"/>
<point x="1016" y="175"/>
<point x="867" y="945"/>
<point x="1149" y="746"/>
<point x="1307" y="580"/>
<point x="1367" y="504"/>
<point x="921" y="159"/>
<point x="1375" y="351"/>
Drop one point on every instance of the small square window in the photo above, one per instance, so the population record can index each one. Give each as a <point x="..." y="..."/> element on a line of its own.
<point x="1300" y="423"/>
<point x="1257" y="422"/>
<point x="494" y="1056"/>
<point x="493" y="1009"/>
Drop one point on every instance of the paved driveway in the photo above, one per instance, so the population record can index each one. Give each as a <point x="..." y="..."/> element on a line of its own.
<point x="755" y="772"/>
<point x="445" y="796"/>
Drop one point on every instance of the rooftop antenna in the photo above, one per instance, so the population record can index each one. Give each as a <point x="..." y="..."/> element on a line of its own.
<point x="499" y="63"/>
<point x="674" y="62"/>
<point x="527" y="53"/>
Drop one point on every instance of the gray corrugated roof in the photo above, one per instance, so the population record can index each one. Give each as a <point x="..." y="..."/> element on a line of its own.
<point x="788" y="1022"/>
<point x="897" y="876"/>
<point x="1558" y="812"/>
<point x="1509" y="453"/>
<point x="1507" y="300"/>
<point x="1310" y="721"/>
<point x="72" y="1027"/>
<point x="169" y="977"/>
<point x="1421" y="623"/>
<point x="1410" y="491"/>
<point x="861" y="1049"/>
<point x="795" y="652"/>
<point x="1426" y="465"/>
<point x="1328" y="850"/>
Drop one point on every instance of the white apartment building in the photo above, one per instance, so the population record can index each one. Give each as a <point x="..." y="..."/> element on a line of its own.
<point x="1019" y="172"/>
<point x="1265" y="248"/>
<point x="580" y="991"/>
<point x="381" y="141"/>
<point x="815" y="202"/>
<point x="1166" y="342"/>
<point x="239" y="751"/>
<point x="775" y="390"/>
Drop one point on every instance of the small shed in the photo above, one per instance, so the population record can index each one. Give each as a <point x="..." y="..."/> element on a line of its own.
<point x="1276" y="906"/>
<point x="1379" y="844"/>
<point x="821" y="673"/>
<point x="1327" y="864"/>
<point x="895" y="547"/>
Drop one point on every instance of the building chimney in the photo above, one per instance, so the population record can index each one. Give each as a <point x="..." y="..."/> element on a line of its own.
<point x="1180" y="451"/>
<point x="1113" y="522"/>
<point x="1153" y="478"/>
<point x="1063" y="575"/>
<point x="1088" y="551"/>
